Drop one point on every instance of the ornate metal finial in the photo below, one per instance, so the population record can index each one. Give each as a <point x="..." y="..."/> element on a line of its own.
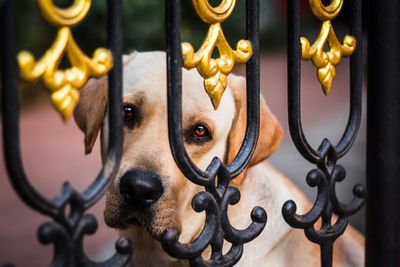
<point x="215" y="71"/>
<point x="64" y="84"/>
<point x="325" y="61"/>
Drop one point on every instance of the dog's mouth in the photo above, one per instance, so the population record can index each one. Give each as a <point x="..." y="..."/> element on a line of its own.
<point x="155" y="220"/>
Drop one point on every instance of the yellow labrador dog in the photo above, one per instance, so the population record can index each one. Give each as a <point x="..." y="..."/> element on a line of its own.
<point x="150" y="194"/>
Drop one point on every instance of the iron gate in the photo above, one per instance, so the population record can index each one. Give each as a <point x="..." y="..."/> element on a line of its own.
<point x="66" y="232"/>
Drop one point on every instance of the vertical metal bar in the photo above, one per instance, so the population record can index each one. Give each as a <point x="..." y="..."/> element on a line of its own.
<point x="356" y="79"/>
<point x="174" y="93"/>
<point x="10" y="113"/>
<point x="293" y="65"/>
<point x="115" y="44"/>
<point x="294" y="71"/>
<point x="326" y="254"/>
<point x="253" y="70"/>
<point x="252" y="91"/>
<point x="383" y="132"/>
<point x="9" y="79"/>
<point x="115" y="138"/>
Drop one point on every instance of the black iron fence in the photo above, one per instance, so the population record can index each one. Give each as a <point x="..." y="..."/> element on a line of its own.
<point x="67" y="231"/>
<point x="328" y="172"/>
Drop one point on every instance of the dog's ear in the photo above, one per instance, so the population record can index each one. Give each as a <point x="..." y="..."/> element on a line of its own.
<point x="91" y="109"/>
<point x="270" y="134"/>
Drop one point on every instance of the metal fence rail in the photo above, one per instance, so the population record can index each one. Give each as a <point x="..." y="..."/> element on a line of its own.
<point x="67" y="231"/>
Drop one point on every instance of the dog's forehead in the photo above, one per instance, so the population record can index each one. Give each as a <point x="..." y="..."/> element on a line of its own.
<point x="145" y="74"/>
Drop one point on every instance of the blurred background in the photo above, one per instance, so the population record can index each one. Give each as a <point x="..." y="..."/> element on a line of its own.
<point x="53" y="151"/>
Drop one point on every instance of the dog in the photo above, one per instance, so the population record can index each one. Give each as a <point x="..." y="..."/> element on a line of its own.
<point x="150" y="194"/>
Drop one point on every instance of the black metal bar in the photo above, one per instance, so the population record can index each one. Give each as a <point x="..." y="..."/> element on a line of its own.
<point x="328" y="172"/>
<point x="174" y="74"/>
<point x="115" y="43"/>
<point x="294" y="71"/>
<point x="327" y="254"/>
<point x="356" y="69"/>
<point x="66" y="231"/>
<point x="383" y="131"/>
<point x="10" y="111"/>
<point x="215" y="200"/>
<point x="253" y="91"/>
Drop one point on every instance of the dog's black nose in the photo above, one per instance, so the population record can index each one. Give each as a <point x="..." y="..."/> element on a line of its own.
<point x="140" y="189"/>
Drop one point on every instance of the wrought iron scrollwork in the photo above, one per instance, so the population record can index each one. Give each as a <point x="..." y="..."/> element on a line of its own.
<point x="328" y="172"/>
<point x="216" y="198"/>
<point x="326" y="204"/>
<point x="215" y="201"/>
<point x="67" y="230"/>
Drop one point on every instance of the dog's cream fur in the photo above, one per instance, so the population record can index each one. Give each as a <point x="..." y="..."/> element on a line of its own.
<point x="146" y="147"/>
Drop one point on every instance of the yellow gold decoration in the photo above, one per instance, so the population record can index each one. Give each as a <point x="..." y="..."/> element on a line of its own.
<point x="64" y="84"/>
<point x="215" y="71"/>
<point x="325" y="61"/>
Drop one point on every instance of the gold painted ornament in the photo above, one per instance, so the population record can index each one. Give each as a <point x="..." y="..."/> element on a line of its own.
<point x="64" y="84"/>
<point x="325" y="61"/>
<point x="215" y="71"/>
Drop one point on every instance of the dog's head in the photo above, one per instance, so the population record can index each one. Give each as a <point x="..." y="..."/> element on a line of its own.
<point x="149" y="188"/>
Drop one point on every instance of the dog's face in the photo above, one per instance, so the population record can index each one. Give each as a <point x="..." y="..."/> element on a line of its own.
<point x="149" y="188"/>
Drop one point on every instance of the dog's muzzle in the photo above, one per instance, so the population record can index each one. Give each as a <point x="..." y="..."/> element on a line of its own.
<point x="140" y="189"/>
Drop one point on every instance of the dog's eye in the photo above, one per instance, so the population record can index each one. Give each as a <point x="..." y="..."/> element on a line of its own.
<point x="128" y="113"/>
<point x="132" y="116"/>
<point x="200" y="132"/>
<point x="197" y="134"/>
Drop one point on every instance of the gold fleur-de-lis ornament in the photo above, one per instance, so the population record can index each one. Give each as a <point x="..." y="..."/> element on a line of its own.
<point x="64" y="84"/>
<point x="325" y="61"/>
<point x="215" y="70"/>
